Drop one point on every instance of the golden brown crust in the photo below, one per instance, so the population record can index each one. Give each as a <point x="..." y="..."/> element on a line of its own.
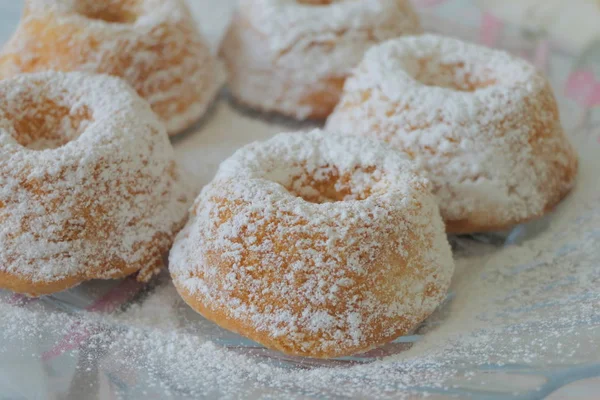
<point x="386" y="271"/>
<point x="320" y="97"/>
<point x="179" y="80"/>
<point x="282" y="343"/>
<point x="112" y="269"/>
<point x="560" y="184"/>
<point x="322" y="102"/>
<point x="80" y="200"/>
<point x="303" y="79"/>
<point x="467" y="226"/>
<point x="25" y="285"/>
<point x="324" y="262"/>
<point x="491" y="142"/>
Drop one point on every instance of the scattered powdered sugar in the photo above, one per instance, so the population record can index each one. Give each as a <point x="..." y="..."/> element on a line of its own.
<point x="483" y="123"/>
<point x="103" y="193"/>
<point x="324" y="221"/>
<point x="521" y="317"/>
<point x="153" y="44"/>
<point x="281" y="51"/>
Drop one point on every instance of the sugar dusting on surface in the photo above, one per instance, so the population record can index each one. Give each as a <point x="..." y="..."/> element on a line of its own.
<point x="97" y="193"/>
<point x="288" y="244"/>
<point x="280" y="51"/>
<point x="482" y="122"/>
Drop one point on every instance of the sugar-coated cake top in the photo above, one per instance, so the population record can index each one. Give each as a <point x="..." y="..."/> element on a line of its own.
<point x="484" y="124"/>
<point x="82" y="157"/>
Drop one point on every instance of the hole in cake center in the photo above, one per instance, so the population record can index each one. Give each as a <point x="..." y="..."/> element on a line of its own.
<point x="43" y="124"/>
<point x="457" y="76"/>
<point x="326" y="184"/>
<point x="112" y="12"/>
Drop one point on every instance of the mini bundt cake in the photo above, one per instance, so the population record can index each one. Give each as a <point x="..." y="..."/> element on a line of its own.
<point x="153" y="44"/>
<point x="88" y="184"/>
<point x="482" y="123"/>
<point x="314" y="244"/>
<point x="292" y="56"/>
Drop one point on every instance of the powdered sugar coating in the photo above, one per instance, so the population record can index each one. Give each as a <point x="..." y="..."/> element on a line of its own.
<point x="314" y="244"/>
<point x="88" y="185"/>
<point x="483" y="123"/>
<point x="153" y="44"/>
<point x="281" y="54"/>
